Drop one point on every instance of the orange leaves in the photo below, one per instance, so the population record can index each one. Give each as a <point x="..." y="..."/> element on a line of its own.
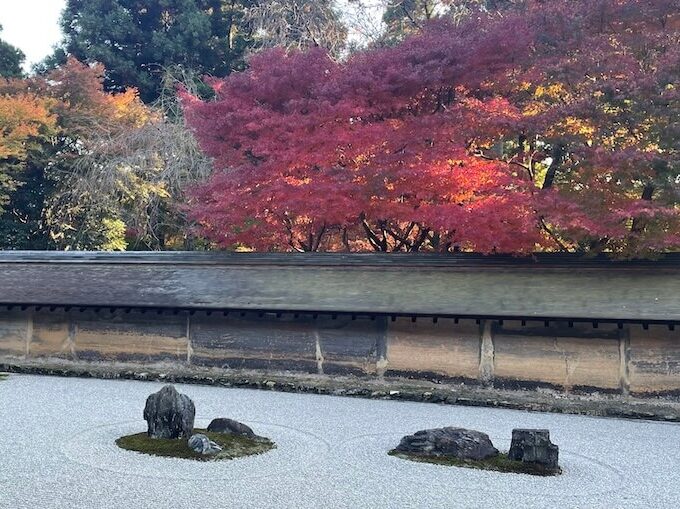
<point x="297" y="181"/>
<point x="23" y="121"/>
<point x="83" y="105"/>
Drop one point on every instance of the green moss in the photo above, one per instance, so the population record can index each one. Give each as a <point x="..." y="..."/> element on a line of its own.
<point x="3" y="376"/>
<point x="500" y="463"/>
<point x="233" y="446"/>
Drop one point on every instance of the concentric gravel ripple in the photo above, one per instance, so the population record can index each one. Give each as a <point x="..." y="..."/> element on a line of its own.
<point x="96" y="448"/>
<point x="582" y="476"/>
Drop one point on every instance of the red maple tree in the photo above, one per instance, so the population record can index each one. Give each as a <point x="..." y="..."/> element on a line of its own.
<point x="553" y="126"/>
<point x="600" y="99"/>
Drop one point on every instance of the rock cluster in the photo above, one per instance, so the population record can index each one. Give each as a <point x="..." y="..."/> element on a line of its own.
<point x="203" y="445"/>
<point x="458" y="443"/>
<point x="534" y="446"/>
<point x="169" y="414"/>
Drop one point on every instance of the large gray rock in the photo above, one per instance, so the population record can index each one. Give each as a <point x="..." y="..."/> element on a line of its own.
<point x="230" y="426"/>
<point x="534" y="446"/>
<point x="169" y="414"/>
<point x="203" y="445"/>
<point x="459" y="443"/>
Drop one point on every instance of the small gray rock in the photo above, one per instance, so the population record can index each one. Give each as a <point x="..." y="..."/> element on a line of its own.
<point x="230" y="426"/>
<point x="459" y="443"/>
<point x="534" y="446"/>
<point x="203" y="445"/>
<point x="169" y="414"/>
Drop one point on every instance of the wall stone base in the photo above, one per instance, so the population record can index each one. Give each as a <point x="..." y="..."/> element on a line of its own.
<point x="562" y="357"/>
<point x="386" y="388"/>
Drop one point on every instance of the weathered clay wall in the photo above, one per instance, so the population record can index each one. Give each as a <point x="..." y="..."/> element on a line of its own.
<point x="562" y="355"/>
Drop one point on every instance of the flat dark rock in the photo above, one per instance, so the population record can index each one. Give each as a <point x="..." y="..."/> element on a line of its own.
<point x="534" y="446"/>
<point x="453" y="442"/>
<point x="230" y="426"/>
<point x="169" y="414"/>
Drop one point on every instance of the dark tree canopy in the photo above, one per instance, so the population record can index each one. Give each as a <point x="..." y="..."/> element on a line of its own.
<point x="403" y="17"/>
<point x="137" y="40"/>
<point x="298" y="24"/>
<point x="11" y="59"/>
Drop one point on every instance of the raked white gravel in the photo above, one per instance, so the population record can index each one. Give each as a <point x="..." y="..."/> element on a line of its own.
<point x="57" y="451"/>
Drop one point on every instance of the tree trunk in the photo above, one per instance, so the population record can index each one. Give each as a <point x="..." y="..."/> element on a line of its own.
<point x="639" y="223"/>
<point x="557" y="155"/>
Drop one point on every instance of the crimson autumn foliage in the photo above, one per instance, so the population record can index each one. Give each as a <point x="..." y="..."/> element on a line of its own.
<point x="553" y="126"/>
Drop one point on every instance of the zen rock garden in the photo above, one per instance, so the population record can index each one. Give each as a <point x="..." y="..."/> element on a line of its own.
<point x="331" y="452"/>
<point x="531" y="450"/>
<point x="170" y="420"/>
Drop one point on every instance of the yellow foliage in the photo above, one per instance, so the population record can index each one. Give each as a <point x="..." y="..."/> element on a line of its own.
<point x="533" y="109"/>
<point x="129" y="109"/>
<point x="552" y="91"/>
<point x="578" y="126"/>
<point x="113" y="231"/>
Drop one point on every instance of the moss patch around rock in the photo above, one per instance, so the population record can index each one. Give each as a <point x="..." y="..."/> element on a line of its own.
<point x="500" y="463"/>
<point x="233" y="446"/>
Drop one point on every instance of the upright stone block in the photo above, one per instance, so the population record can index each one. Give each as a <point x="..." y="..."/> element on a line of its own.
<point x="534" y="446"/>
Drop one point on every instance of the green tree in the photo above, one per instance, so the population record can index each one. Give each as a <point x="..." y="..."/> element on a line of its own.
<point x="138" y="40"/>
<point x="403" y="17"/>
<point x="11" y="59"/>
